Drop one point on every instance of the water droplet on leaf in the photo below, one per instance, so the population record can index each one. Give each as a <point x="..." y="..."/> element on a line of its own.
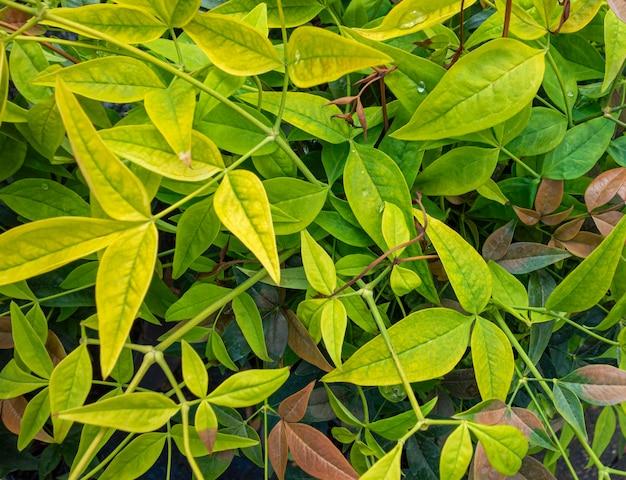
<point x="411" y="19"/>
<point x="421" y="87"/>
<point x="45" y="186"/>
<point x="570" y="94"/>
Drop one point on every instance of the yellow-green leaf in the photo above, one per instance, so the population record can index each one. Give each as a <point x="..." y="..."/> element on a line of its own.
<point x="318" y="56"/>
<point x="139" y="412"/>
<point x="589" y="282"/>
<point x="194" y="372"/>
<point x="177" y="13"/>
<point x="296" y="12"/>
<point x="456" y="454"/>
<point x="118" y="191"/>
<point x="4" y="81"/>
<point x="171" y="111"/>
<point x="233" y="45"/>
<point x="29" y="347"/>
<point x="115" y="79"/>
<point x="136" y="458"/>
<point x="403" y="280"/>
<point x="525" y="21"/>
<point x="395" y="230"/>
<point x="387" y="468"/>
<point x="206" y="425"/>
<point x="412" y="16"/>
<point x="333" y="323"/>
<point x="250" y="323"/>
<point x="504" y="445"/>
<point x="41" y="246"/>
<point x="493" y="360"/>
<point x="145" y="146"/>
<point x="581" y="12"/>
<point x="429" y="343"/>
<point x="249" y="387"/>
<point x="318" y="266"/>
<point x="242" y="206"/>
<point x="504" y="72"/>
<point x="124" y="275"/>
<point x="615" y="47"/>
<point x="468" y="273"/>
<point x="125" y="24"/>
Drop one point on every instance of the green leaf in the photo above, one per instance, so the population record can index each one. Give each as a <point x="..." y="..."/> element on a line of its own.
<point x="28" y="345"/>
<point x="145" y="146"/>
<point x="467" y="271"/>
<point x="525" y="20"/>
<point x="394" y="227"/>
<point x="570" y="408"/>
<point x="242" y="206"/>
<point x="340" y="409"/>
<point x="195" y="300"/>
<point x="333" y="323"/>
<point x="296" y="12"/>
<point x="603" y="432"/>
<point x="456" y="454"/>
<point x="27" y="60"/>
<point x="588" y="282"/>
<point x="507" y="290"/>
<point x="386" y="468"/>
<point x="310" y="113"/>
<point x="37" y="198"/>
<point x="545" y="130"/>
<point x="302" y="200"/>
<point x="136" y="458"/>
<point x="581" y="148"/>
<point x="412" y="16"/>
<point x="216" y="350"/>
<point x="118" y="191"/>
<point x="233" y="45"/>
<point x="249" y="320"/>
<point x="42" y="246"/>
<point x="457" y="172"/>
<point x="222" y="83"/>
<point x="316" y="56"/>
<point x="249" y="387"/>
<point x="139" y="412"/>
<point x="124" y="23"/>
<point x="115" y="79"/>
<point x="429" y="343"/>
<point x="504" y="72"/>
<point x="493" y="360"/>
<point x="35" y="416"/>
<point x="46" y="127"/>
<point x="15" y="382"/>
<point x="70" y="383"/>
<point x="4" y="81"/>
<point x="197" y="228"/>
<point x="171" y="111"/>
<point x="615" y="45"/>
<point x="124" y="275"/>
<point x="505" y="446"/>
<point x="403" y="280"/>
<point x="194" y="372"/>
<point x="318" y="266"/>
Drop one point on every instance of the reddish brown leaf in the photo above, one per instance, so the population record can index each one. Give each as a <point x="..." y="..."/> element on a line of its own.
<point x="489" y="412"/>
<point x="316" y="455"/>
<point x="556" y="218"/>
<point x="598" y="384"/>
<point x="569" y="230"/>
<point x="604" y="187"/>
<point x="55" y="348"/>
<point x="17" y="19"/>
<point x="303" y="345"/>
<point x="6" y="337"/>
<point x="549" y="196"/>
<point x="526" y="215"/>
<point x="342" y="100"/>
<point x="619" y="9"/>
<point x="583" y="244"/>
<point x="605" y="222"/>
<point x="12" y="413"/>
<point x="524" y="420"/>
<point x="498" y="242"/>
<point x="526" y="257"/>
<point x="277" y="449"/>
<point x="532" y="469"/>
<point x="360" y="113"/>
<point x="481" y="468"/>
<point x="208" y="437"/>
<point x="293" y="408"/>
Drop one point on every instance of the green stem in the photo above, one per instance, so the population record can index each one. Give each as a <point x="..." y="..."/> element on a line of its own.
<point x="31" y="22"/>
<point x="179" y="53"/>
<point x="368" y="296"/>
<point x="110" y="456"/>
<point x="184" y="410"/>
<point x="283" y="98"/>
<point x="559" y="77"/>
<point x="520" y="162"/>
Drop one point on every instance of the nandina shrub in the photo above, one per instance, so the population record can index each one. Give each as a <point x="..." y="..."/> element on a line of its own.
<point x="391" y="234"/>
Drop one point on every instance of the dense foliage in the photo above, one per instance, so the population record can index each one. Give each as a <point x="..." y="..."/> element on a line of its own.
<point x="391" y="234"/>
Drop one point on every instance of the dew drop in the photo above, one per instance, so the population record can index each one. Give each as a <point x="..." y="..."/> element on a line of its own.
<point x="410" y="19"/>
<point x="45" y="186"/>
<point x="570" y="94"/>
<point x="421" y="87"/>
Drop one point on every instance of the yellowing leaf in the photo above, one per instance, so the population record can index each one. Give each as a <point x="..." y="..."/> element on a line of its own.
<point x="194" y="372"/>
<point x="110" y="79"/>
<point x="124" y="275"/>
<point x="318" y="266"/>
<point x="249" y="387"/>
<point x="412" y="16"/>
<point x="395" y="230"/>
<point x="387" y="468"/>
<point x="124" y="23"/>
<point x="505" y="446"/>
<point x="296" y="12"/>
<point x="429" y="343"/>
<point x="4" y="81"/>
<point x="171" y="111"/>
<point x="580" y="14"/>
<point x="468" y="273"/>
<point x="333" y="327"/>
<point x="242" y="206"/>
<point x="118" y="191"/>
<point x="456" y="454"/>
<point x="177" y="13"/>
<point x="318" y="56"/>
<point x="233" y="45"/>
<point x="525" y="22"/>
<point x="41" y="246"/>
<point x="504" y="72"/>
<point x="615" y="46"/>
